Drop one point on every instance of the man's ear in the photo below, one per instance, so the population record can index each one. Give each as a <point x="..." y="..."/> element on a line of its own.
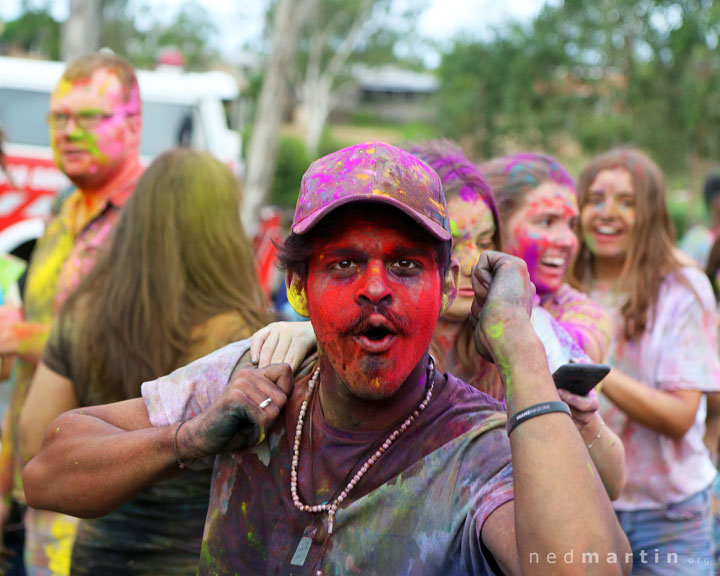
<point x="296" y="294"/>
<point x="450" y="284"/>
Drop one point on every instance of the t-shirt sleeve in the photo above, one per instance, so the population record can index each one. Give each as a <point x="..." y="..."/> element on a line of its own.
<point x="53" y="356"/>
<point x="690" y="337"/>
<point x="491" y="487"/>
<point x="189" y="390"/>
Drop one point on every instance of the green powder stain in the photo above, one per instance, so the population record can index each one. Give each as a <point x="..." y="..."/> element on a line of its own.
<point x="255" y="543"/>
<point x="453" y="228"/>
<point x="590" y="241"/>
<point x="243" y="507"/>
<point x="497" y="331"/>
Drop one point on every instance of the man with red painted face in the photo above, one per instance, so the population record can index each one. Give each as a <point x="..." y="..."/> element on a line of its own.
<point x="95" y="127"/>
<point x="370" y="461"/>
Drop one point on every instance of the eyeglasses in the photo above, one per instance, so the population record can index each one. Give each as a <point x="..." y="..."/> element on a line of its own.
<point x="85" y="120"/>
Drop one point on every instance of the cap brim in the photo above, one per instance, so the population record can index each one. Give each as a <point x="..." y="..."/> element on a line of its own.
<point x="435" y="228"/>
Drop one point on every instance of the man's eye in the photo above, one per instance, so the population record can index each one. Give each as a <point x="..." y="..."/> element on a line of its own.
<point x="342" y="265"/>
<point x="404" y="265"/>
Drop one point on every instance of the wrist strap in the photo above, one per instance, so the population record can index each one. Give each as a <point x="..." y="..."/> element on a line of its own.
<point x="535" y="410"/>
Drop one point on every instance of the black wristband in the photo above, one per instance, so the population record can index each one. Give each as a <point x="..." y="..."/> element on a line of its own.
<point x="536" y="410"/>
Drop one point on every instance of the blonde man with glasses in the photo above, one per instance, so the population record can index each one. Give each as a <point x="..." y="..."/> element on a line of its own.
<point x="95" y="125"/>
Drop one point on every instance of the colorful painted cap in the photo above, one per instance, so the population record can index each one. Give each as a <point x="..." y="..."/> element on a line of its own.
<point x="372" y="172"/>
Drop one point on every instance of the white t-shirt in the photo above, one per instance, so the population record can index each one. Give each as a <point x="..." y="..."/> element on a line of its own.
<point x="678" y="351"/>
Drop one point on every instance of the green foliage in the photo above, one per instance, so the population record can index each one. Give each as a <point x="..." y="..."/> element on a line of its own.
<point x="140" y="31"/>
<point x="291" y="163"/>
<point x="34" y="32"/>
<point x="136" y="29"/>
<point x="595" y="72"/>
<point x="328" y="144"/>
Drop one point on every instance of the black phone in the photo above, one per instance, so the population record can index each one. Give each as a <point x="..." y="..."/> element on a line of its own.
<point x="580" y="378"/>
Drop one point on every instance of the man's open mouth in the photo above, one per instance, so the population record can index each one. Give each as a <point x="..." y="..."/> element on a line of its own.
<point x="376" y="333"/>
<point x="375" y="336"/>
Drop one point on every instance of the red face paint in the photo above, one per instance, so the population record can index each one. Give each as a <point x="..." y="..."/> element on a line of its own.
<point x="374" y="293"/>
<point x="541" y="233"/>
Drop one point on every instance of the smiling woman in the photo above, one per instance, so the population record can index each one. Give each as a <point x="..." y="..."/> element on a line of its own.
<point x="663" y="353"/>
<point x="538" y="208"/>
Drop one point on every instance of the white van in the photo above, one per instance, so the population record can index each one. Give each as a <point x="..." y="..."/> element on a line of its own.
<point x="192" y="109"/>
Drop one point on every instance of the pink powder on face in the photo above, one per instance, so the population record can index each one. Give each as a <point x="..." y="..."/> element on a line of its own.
<point x="541" y="233"/>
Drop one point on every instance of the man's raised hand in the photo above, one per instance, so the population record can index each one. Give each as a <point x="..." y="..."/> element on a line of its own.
<point x="503" y="293"/>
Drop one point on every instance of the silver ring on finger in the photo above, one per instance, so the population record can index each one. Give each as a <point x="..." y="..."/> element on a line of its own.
<point x="265" y="403"/>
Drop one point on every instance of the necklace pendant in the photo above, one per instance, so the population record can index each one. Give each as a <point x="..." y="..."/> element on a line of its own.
<point x="303" y="546"/>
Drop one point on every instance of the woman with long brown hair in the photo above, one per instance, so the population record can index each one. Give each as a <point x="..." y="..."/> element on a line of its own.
<point x="664" y="356"/>
<point x="177" y="282"/>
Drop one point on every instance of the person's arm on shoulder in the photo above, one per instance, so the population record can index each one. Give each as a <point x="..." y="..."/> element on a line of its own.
<point x="288" y="342"/>
<point x="583" y="319"/>
<point x="94" y="459"/>
<point x="49" y="396"/>
<point x="560" y="504"/>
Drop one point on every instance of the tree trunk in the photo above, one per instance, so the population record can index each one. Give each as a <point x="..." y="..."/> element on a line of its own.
<point x="81" y="30"/>
<point x="318" y="105"/>
<point x="289" y="18"/>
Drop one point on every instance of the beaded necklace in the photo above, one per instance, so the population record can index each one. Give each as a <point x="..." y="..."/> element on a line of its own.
<point x="331" y="507"/>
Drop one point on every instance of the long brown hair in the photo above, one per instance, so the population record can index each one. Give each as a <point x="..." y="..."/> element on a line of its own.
<point x="179" y="256"/>
<point x="651" y="255"/>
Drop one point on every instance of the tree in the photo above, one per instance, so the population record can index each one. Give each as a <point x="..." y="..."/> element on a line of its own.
<point x="81" y="29"/>
<point x="135" y="29"/>
<point x="33" y="32"/>
<point x="289" y="17"/>
<point x="138" y="31"/>
<point x="343" y="33"/>
<point x="596" y="72"/>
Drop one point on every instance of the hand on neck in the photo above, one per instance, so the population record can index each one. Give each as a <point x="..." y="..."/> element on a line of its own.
<point x="342" y="409"/>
